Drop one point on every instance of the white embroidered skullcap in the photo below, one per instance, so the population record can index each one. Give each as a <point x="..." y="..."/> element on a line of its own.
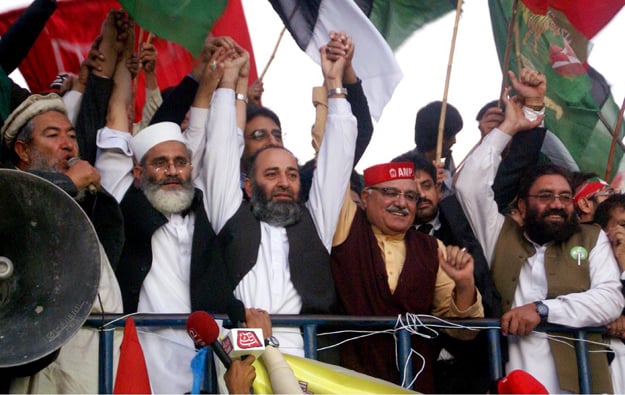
<point x="155" y="134"/>
<point x="27" y="110"/>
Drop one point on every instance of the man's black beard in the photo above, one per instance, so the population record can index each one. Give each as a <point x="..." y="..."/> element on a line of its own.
<point x="541" y="231"/>
<point x="280" y="213"/>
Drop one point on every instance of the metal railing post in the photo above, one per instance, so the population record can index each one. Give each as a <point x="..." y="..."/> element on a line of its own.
<point x="310" y="341"/>
<point x="581" y="350"/>
<point x="404" y="348"/>
<point x="105" y="358"/>
<point x="494" y="354"/>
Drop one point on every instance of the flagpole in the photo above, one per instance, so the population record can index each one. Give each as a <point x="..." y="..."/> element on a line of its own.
<point x="506" y="57"/>
<point x="441" y="121"/>
<point x="615" y="136"/>
<point x="273" y="54"/>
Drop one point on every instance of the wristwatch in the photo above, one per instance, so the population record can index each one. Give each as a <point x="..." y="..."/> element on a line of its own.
<point x="272" y="341"/>
<point x="543" y="311"/>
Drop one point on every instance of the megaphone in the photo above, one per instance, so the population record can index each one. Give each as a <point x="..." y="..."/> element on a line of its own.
<point x="49" y="268"/>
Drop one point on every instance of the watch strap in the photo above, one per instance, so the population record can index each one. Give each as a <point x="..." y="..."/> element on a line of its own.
<point x="242" y="97"/>
<point x="337" y="91"/>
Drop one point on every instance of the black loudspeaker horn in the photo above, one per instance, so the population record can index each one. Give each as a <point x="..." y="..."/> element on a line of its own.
<point x="49" y="268"/>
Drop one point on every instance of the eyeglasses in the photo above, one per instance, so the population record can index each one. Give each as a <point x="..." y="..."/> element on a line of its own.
<point x="261" y="134"/>
<point x="549" y="197"/>
<point x="162" y="164"/>
<point x="394" y="193"/>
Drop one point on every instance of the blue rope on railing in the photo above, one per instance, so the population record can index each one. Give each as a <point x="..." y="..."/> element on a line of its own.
<point x="310" y="324"/>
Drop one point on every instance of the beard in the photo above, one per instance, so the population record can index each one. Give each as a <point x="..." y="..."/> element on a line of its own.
<point x="423" y="216"/>
<point x="38" y="161"/>
<point x="279" y="213"/>
<point x="542" y="231"/>
<point x="168" y="202"/>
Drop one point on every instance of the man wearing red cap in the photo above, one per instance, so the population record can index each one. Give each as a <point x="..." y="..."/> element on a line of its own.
<point x="383" y="266"/>
<point x="588" y="196"/>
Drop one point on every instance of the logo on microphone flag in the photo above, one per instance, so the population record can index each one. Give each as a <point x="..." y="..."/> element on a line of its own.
<point x="248" y="339"/>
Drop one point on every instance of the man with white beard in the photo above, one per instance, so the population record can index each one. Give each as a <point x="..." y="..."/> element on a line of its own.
<point x="169" y="263"/>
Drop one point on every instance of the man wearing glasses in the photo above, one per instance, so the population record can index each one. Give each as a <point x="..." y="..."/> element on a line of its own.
<point x="550" y="270"/>
<point x="383" y="266"/>
<point x="170" y="262"/>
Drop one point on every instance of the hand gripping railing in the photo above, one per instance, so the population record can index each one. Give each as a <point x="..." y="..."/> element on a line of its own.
<point x="309" y="325"/>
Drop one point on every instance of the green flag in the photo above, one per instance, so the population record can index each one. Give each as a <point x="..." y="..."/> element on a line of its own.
<point x="578" y="99"/>
<point x="184" y="22"/>
<point x="396" y="20"/>
<point x="5" y="95"/>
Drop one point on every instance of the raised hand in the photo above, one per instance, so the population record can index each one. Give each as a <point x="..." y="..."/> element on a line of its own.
<point x="147" y="57"/>
<point x="531" y="87"/>
<point x="458" y="264"/>
<point x="341" y="45"/>
<point x="332" y="70"/>
<point x="514" y="120"/>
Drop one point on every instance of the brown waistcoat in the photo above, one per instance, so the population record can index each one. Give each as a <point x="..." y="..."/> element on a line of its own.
<point x="564" y="276"/>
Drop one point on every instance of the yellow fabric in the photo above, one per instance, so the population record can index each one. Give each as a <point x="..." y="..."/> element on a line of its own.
<point x="283" y="380"/>
<point x="393" y="253"/>
<point x="394" y="250"/>
<point x="320" y="101"/>
<point x="322" y="378"/>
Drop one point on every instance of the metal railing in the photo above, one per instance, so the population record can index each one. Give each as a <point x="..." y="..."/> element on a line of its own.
<point x="309" y="325"/>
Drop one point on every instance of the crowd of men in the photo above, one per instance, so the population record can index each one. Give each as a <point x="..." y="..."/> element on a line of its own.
<point x="200" y="206"/>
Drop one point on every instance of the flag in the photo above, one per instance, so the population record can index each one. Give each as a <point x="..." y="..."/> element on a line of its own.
<point x="183" y="22"/>
<point x="63" y="44"/>
<point x="132" y="372"/>
<point x="587" y="16"/>
<point x="5" y="95"/>
<point x="188" y="22"/>
<point x="578" y="103"/>
<point x="396" y="20"/>
<point x="310" y="23"/>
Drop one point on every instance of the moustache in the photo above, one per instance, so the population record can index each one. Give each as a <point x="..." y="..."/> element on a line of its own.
<point x="423" y="199"/>
<point x="170" y="180"/>
<point x="555" y="211"/>
<point x="282" y="191"/>
<point x="394" y="209"/>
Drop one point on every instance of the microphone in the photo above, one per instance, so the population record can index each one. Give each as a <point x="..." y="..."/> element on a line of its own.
<point x="71" y="162"/>
<point x="204" y="331"/>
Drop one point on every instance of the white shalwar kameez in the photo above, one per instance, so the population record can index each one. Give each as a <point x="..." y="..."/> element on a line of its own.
<point x="268" y="285"/>
<point x="597" y="306"/>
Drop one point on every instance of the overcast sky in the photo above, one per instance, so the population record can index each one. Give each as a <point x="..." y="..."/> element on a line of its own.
<point x="475" y="77"/>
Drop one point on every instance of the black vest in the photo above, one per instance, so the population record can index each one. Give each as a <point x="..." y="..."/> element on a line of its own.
<point x="309" y="261"/>
<point x="209" y="286"/>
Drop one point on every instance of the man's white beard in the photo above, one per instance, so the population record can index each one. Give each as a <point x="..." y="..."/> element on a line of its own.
<point x="168" y="202"/>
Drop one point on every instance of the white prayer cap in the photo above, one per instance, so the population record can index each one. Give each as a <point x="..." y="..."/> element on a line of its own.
<point x="155" y="134"/>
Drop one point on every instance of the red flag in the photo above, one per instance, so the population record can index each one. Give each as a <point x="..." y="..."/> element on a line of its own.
<point x="587" y="16"/>
<point x="233" y="23"/>
<point x="64" y="43"/>
<point x="132" y="373"/>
